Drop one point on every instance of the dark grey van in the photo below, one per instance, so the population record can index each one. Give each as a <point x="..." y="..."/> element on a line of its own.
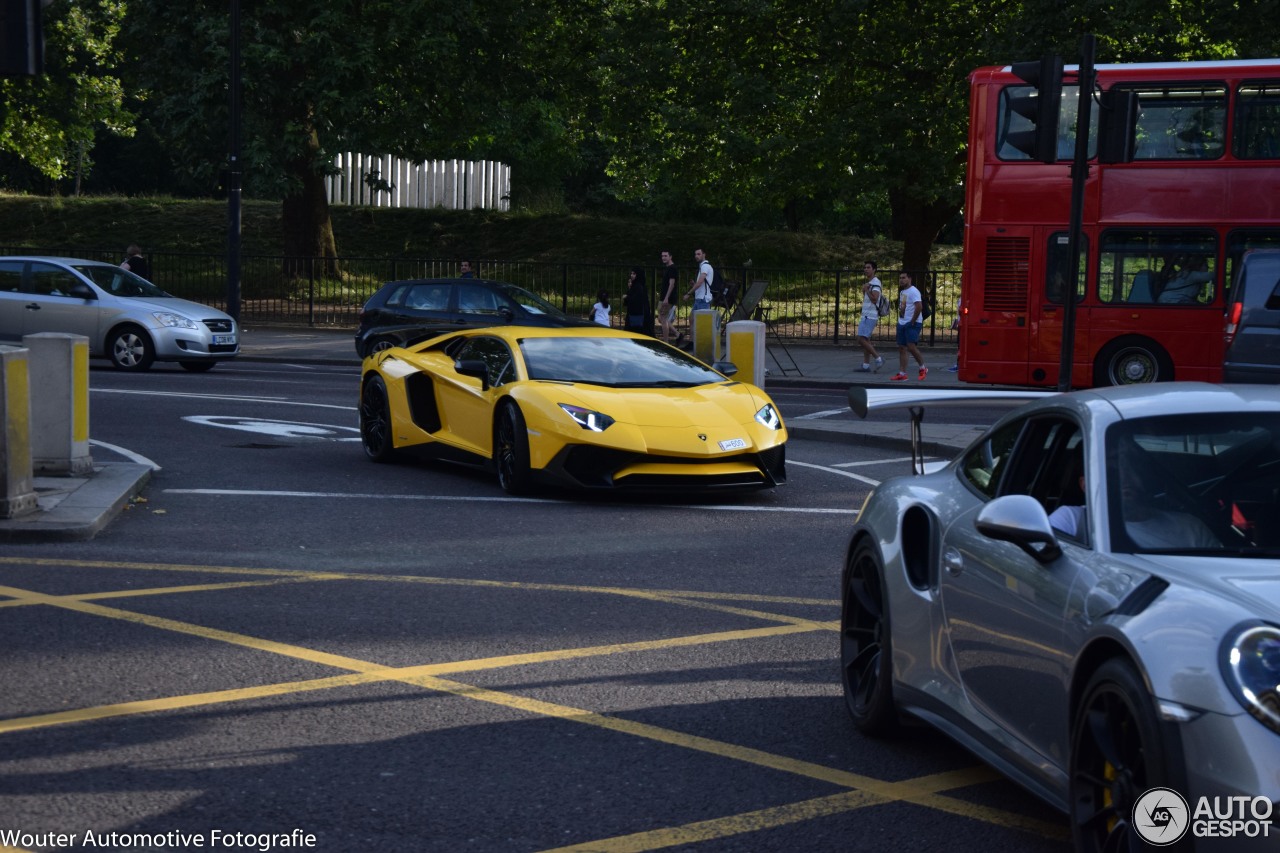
<point x="1253" y="320"/>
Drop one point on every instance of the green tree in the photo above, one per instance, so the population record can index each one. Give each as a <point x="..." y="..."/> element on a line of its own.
<point x="51" y="121"/>
<point x="423" y="78"/>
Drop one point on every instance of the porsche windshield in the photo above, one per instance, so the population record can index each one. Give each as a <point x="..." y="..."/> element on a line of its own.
<point x="1195" y="483"/>
<point x="616" y="362"/>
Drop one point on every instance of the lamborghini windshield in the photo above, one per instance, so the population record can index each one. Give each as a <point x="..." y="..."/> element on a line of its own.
<point x="616" y="362"/>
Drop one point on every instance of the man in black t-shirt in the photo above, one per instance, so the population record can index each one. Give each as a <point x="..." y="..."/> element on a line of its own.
<point x="667" y="296"/>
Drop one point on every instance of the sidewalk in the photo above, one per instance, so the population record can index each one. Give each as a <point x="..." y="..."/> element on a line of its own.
<point x="76" y="508"/>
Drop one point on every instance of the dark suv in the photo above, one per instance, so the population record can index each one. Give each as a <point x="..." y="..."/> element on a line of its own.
<point x="405" y="312"/>
<point x="1253" y="320"/>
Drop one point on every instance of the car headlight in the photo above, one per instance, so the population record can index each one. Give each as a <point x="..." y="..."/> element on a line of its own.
<point x="168" y="318"/>
<point x="587" y="418"/>
<point x="769" y="417"/>
<point x="1251" y="665"/>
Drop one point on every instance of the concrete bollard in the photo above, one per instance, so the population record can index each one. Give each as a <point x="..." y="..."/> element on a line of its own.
<point x="706" y="335"/>
<point x="59" y="403"/>
<point x="17" y="489"/>
<point x="746" y="349"/>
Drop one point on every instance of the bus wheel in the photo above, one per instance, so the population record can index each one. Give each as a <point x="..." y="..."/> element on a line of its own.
<point x="1132" y="361"/>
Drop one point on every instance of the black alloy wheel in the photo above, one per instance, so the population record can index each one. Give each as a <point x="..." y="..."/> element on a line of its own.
<point x="375" y="420"/>
<point x="866" y="646"/>
<point x="511" y="451"/>
<point x="1116" y="756"/>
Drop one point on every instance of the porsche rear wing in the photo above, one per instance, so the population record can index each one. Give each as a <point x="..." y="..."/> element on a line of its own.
<point x="863" y="400"/>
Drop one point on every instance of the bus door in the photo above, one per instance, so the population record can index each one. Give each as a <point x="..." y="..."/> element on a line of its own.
<point x="1047" y="308"/>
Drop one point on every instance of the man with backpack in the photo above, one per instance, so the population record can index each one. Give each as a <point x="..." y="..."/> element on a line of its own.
<point x="701" y="291"/>
<point x="874" y="306"/>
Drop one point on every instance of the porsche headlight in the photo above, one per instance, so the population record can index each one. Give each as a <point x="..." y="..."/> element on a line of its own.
<point x="168" y="318"/>
<point x="769" y="417"/>
<point x="1251" y="665"/>
<point x="587" y="418"/>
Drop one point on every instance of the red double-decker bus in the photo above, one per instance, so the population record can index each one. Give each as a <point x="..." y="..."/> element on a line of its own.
<point x="1161" y="234"/>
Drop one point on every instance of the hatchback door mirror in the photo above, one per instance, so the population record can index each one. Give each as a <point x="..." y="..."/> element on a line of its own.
<point x="80" y="290"/>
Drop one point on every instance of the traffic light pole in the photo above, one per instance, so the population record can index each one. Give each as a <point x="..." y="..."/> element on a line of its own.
<point x="1079" y="174"/>
<point x="233" y="171"/>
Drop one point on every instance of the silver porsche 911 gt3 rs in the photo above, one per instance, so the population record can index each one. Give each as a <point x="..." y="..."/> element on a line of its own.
<point x="1088" y="598"/>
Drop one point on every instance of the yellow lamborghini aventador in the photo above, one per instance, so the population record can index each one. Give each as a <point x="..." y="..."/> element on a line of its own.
<point x="588" y="408"/>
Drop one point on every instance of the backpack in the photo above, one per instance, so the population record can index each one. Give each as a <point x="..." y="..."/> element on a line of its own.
<point x="882" y="306"/>
<point x="926" y="310"/>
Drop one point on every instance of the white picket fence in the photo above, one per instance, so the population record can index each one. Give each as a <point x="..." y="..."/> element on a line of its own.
<point x="386" y="181"/>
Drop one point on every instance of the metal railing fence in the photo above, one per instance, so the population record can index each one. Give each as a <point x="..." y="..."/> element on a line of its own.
<point x="799" y="305"/>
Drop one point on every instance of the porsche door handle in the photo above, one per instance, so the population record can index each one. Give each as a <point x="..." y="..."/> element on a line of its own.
<point x="952" y="562"/>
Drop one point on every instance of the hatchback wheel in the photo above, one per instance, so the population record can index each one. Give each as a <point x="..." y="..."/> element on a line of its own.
<point x="129" y="348"/>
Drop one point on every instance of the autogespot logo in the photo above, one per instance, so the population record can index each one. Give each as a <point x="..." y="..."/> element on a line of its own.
<point x="1161" y="816"/>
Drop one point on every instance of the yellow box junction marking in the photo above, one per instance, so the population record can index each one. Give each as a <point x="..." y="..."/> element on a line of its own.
<point x="864" y="790"/>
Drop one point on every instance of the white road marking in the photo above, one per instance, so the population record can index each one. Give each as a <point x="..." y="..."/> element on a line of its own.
<point x="273" y="493"/>
<point x="280" y="401"/>
<point x="279" y="429"/>
<point x="897" y="460"/>
<point x="830" y="470"/>
<point x="815" y="415"/>
<point x="128" y="454"/>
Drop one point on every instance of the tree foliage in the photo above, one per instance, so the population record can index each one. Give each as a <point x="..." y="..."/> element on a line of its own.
<point x="51" y="121"/>
<point x="730" y="110"/>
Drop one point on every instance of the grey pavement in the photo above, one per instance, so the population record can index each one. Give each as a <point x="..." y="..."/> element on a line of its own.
<point x="76" y="508"/>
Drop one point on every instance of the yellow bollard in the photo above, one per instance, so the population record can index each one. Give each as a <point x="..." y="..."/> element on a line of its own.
<point x="746" y="349"/>
<point x="706" y="336"/>
<point x="18" y="494"/>
<point x="60" y="404"/>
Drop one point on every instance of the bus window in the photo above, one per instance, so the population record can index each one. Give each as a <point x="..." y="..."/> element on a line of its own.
<point x="1257" y="130"/>
<point x="1242" y="240"/>
<point x="1158" y="267"/>
<point x="1007" y="121"/>
<point x="1181" y="123"/>
<point x="1058" y="266"/>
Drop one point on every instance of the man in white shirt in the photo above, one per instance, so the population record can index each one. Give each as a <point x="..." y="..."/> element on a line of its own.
<point x="910" y="322"/>
<point x="871" y="290"/>
<point x="701" y="291"/>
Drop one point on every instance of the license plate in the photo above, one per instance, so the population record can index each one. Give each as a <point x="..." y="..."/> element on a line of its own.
<point x="222" y="340"/>
<point x="733" y="444"/>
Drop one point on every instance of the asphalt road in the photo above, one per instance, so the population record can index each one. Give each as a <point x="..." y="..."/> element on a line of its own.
<point x="286" y="637"/>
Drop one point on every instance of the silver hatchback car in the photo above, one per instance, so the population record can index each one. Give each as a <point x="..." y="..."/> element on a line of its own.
<point x="126" y="318"/>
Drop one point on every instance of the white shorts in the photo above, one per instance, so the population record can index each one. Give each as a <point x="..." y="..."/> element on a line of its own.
<point x="866" y="326"/>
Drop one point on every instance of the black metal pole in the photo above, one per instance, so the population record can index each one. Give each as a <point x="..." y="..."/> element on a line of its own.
<point x="233" y="172"/>
<point x="1079" y="174"/>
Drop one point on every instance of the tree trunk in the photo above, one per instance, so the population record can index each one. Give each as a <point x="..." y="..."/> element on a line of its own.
<point x="308" y="228"/>
<point x="917" y="223"/>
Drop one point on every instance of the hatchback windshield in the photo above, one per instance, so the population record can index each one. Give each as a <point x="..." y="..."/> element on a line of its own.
<point x="532" y="303"/>
<point x="119" y="282"/>
<point x="617" y="362"/>
<point x="1188" y="483"/>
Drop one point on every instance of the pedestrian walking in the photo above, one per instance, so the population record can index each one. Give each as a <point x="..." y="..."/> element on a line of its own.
<point x="872" y="294"/>
<point x="667" y="296"/>
<point x="639" y="311"/>
<point x="910" y="323"/>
